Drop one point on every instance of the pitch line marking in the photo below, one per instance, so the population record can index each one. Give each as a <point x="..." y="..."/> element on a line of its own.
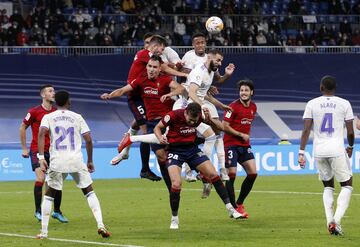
<point x="67" y="240"/>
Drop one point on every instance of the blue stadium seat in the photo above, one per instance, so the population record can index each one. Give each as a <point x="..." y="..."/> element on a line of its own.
<point x="186" y="39"/>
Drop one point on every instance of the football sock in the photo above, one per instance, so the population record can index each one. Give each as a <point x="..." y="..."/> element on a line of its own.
<point x="132" y="131"/>
<point x="230" y="188"/>
<point x="220" y="189"/>
<point x="165" y="174"/>
<point x="187" y="168"/>
<point x="57" y="201"/>
<point x="94" y="205"/>
<point x="149" y="138"/>
<point x="145" y="156"/>
<point x="174" y="200"/>
<point x="219" y="146"/>
<point x="38" y="195"/>
<point x="328" y="200"/>
<point x="45" y="213"/>
<point x="343" y="201"/>
<point x="246" y="187"/>
<point x="209" y="145"/>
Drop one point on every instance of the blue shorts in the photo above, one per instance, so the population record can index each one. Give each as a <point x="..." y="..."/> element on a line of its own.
<point x="237" y="154"/>
<point x="137" y="108"/>
<point x="190" y="154"/>
<point x="35" y="161"/>
<point x="150" y="125"/>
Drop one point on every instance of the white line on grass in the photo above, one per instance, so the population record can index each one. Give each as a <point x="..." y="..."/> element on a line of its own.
<point x="68" y="240"/>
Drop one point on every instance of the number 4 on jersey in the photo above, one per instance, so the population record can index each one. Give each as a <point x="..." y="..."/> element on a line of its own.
<point x="327" y="124"/>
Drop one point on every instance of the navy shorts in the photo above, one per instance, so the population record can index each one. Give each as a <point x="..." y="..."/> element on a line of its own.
<point x="237" y="154"/>
<point x="150" y="125"/>
<point x="137" y="108"/>
<point x="190" y="154"/>
<point x="34" y="159"/>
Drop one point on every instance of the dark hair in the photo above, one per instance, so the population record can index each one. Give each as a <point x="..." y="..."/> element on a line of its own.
<point x="193" y="109"/>
<point x="215" y="52"/>
<point x="196" y="35"/>
<point x="147" y="35"/>
<point x="246" y="82"/>
<point x="159" y="40"/>
<point x="156" y="58"/>
<point x="62" y="97"/>
<point x="45" y="86"/>
<point x="329" y="83"/>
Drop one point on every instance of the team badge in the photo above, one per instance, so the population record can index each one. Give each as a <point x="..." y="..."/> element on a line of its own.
<point x="166" y="118"/>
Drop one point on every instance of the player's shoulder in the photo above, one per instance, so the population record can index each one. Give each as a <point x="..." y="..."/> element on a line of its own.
<point x="342" y="100"/>
<point x="35" y="109"/>
<point x="189" y="54"/>
<point x="143" y="52"/>
<point x="253" y="105"/>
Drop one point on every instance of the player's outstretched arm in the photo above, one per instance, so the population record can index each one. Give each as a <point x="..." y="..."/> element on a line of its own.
<point x="303" y="141"/>
<point x="217" y="103"/>
<point x="25" y="151"/>
<point x="177" y="89"/>
<point x="116" y="93"/>
<point x="193" y="93"/>
<point x="229" y="70"/>
<point x="89" y="151"/>
<point x="165" y="68"/>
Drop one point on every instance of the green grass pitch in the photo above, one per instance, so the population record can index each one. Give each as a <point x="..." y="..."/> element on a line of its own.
<point x="137" y="212"/>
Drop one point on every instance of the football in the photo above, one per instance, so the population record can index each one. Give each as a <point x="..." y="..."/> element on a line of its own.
<point x="214" y="24"/>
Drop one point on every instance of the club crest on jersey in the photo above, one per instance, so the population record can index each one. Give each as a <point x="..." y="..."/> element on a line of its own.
<point x="151" y="91"/>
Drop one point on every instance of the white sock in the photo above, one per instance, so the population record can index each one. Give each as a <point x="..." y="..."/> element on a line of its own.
<point x="328" y="200"/>
<point x="229" y="206"/>
<point x="209" y="145"/>
<point x="45" y="213"/>
<point x="343" y="201"/>
<point x="149" y="138"/>
<point x="132" y="132"/>
<point x="187" y="168"/>
<point x="94" y="205"/>
<point x="220" y="151"/>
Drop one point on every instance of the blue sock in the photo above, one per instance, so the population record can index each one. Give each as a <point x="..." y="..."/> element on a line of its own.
<point x="145" y="156"/>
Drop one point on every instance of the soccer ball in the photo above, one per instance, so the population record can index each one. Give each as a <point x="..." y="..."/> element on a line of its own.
<point x="214" y="25"/>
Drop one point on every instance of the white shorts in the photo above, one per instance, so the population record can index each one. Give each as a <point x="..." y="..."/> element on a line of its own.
<point x="335" y="166"/>
<point x="82" y="179"/>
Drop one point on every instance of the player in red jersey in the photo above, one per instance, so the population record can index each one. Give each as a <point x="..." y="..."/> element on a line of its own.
<point x="181" y="137"/>
<point x="33" y="119"/>
<point x="155" y="46"/>
<point x="152" y="87"/>
<point x="237" y="125"/>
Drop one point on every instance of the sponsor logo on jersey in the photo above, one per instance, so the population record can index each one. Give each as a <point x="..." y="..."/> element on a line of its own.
<point x="246" y="121"/>
<point x="187" y="130"/>
<point x="151" y="91"/>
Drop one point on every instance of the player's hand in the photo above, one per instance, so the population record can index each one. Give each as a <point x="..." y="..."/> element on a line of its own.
<point x="213" y="90"/>
<point x="105" y="96"/>
<point x="206" y="115"/>
<point x="227" y="108"/>
<point x="301" y="161"/>
<point x="245" y="137"/>
<point x="91" y="167"/>
<point x="43" y="165"/>
<point x="179" y="65"/>
<point x="165" y="97"/>
<point x="349" y="151"/>
<point x="163" y="140"/>
<point x="230" y="69"/>
<point x="25" y="153"/>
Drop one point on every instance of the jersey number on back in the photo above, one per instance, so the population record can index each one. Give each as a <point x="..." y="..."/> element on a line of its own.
<point x="63" y="133"/>
<point x="327" y="124"/>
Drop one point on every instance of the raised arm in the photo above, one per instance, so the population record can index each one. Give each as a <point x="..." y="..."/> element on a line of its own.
<point x="229" y="70"/>
<point x="116" y="93"/>
<point x="193" y="93"/>
<point x="176" y="89"/>
<point x="217" y="103"/>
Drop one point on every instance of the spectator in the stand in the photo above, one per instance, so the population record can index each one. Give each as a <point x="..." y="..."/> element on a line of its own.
<point x="356" y="9"/>
<point x="65" y="32"/>
<point x="17" y="17"/>
<point x="99" y="20"/>
<point x="344" y="7"/>
<point x="5" y="23"/>
<point x="263" y="25"/>
<point x="3" y="40"/>
<point x="294" y="7"/>
<point x="92" y="29"/>
<point x="274" y="25"/>
<point x="256" y="9"/>
<point x="76" y="40"/>
<point x="244" y="9"/>
<point x="355" y="38"/>
<point x="324" y="35"/>
<point x="345" y="27"/>
<point x="303" y="10"/>
<point x="12" y="33"/>
<point x="302" y="38"/>
<point x="345" y="41"/>
<point x="128" y="6"/>
<point x="261" y="39"/>
<point x="22" y="38"/>
<point x="3" y="14"/>
<point x="333" y="8"/>
<point x="272" y="38"/>
<point x="289" y="22"/>
<point x="179" y="31"/>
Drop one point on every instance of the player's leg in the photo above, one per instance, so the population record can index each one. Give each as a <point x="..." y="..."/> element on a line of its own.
<point x="175" y="176"/>
<point x="343" y="174"/>
<point x="231" y="165"/>
<point x="38" y="185"/>
<point x="249" y="166"/>
<point x="161" y="156"/>
<point x="84" y="182"/>
<point x="55" y="184"/>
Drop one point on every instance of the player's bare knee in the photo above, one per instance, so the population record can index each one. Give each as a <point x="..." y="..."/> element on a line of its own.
<point x="176" y="184"/>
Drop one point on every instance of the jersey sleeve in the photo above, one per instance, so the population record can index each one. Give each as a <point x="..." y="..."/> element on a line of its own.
<point x="143" y="57"/>
<point x="171" y="55"/>
<point x="349" y="115"/>
<point x="195" y="77"/>
<point x="29" y="118"/>
<point x="135" y="83"/>
<point x="45" y="122"/>
<point x="168" y="118"/>
<point x="185" y="60"/>
<point x="308" y="111"/>
<point x="84" y="128"/>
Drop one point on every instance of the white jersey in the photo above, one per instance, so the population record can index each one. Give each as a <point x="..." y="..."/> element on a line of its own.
<point x="66" y="129"/>
<point x="169" y="55"/>
<point x="328" y="114"/>
<point x="190" y="59"/>
<point x="201" y="77"/>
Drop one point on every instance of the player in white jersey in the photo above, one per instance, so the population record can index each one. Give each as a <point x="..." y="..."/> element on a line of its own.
<point x="66" y="129"/>
<point x="327" y="115"/>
